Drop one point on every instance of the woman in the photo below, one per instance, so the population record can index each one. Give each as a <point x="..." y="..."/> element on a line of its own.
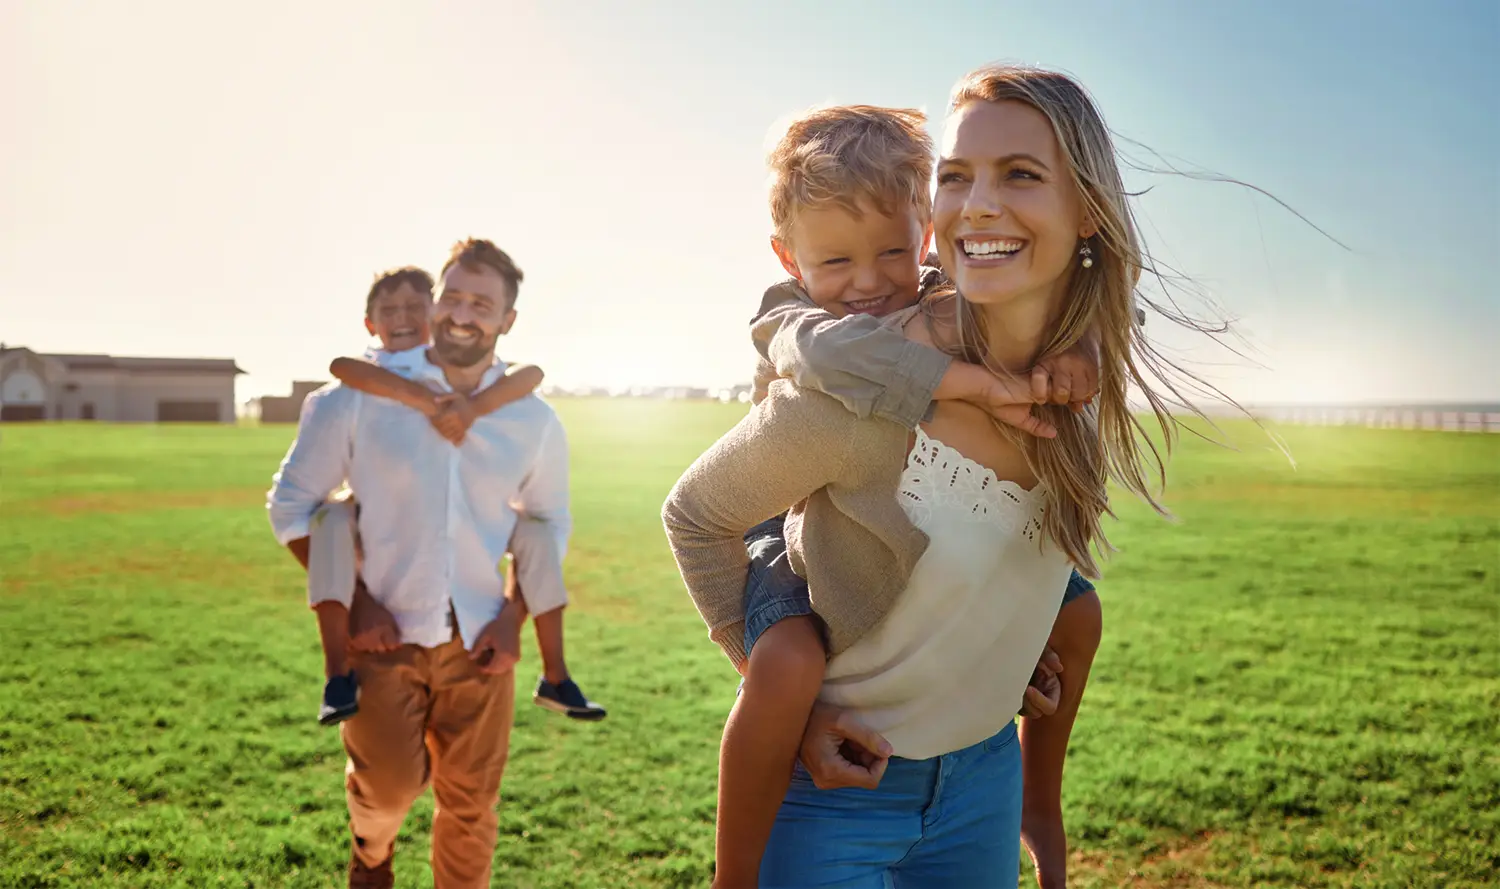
<point x="985" y="523"/>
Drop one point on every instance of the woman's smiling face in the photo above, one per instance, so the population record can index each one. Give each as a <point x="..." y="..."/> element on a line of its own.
<point x="1007" y="216"/>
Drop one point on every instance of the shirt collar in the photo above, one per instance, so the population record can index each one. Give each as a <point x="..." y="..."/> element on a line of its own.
<point x="415" y="364"/>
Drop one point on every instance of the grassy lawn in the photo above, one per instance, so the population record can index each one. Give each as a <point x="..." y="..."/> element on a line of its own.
<point x="1299" y="683"/>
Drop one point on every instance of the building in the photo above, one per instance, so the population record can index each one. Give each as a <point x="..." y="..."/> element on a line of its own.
<point x="34" y="386"/>
<point x="287" y="409"/>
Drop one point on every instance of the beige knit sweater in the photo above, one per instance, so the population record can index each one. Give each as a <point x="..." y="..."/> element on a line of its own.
<point x="846" y="534"/>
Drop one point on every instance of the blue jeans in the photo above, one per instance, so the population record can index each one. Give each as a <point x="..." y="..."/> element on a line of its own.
<point x="953" y="820"/>
<point x="774" y="592"/>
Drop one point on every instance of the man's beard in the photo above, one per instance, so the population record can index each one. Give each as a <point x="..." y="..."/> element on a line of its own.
<point x="462" y="354"/>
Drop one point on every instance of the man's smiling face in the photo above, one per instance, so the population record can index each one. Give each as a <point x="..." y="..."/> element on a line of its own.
<point x="473" y="310"/>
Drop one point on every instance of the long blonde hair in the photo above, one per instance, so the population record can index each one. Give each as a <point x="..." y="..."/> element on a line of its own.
<point x="1107" y="442"/>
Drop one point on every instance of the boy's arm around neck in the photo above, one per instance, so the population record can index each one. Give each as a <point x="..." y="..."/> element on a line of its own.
<point x="518" y="381"/>
<point x="870" y="368"/>
<point x="369" y="377"/>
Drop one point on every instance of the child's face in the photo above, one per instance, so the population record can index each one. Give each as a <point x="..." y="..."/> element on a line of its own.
<point x="399" y="318"/>
<point x="870" y="263"/>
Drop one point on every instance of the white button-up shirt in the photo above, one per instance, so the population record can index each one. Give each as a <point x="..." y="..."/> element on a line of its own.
<point x="435" y="520"/>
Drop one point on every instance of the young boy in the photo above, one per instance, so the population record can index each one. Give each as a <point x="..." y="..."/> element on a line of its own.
<point x="851" y="213"/>
<point x="396" y="312"/>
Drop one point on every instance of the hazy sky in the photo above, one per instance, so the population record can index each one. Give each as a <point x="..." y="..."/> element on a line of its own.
<point x="177" y="178"/>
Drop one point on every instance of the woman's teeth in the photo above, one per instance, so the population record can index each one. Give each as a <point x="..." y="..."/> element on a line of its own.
<point x="995" y="249"/>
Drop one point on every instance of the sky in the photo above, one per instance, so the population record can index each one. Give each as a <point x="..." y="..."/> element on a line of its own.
<point x="224" y="180"/>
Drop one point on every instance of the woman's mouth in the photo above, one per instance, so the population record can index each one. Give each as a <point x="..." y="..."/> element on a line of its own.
<point x="990" y="251"/>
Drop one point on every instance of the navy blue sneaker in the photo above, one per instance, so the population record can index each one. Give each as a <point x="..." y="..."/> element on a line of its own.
<point x="566" y="697"/>
<point x="340" y="699"/>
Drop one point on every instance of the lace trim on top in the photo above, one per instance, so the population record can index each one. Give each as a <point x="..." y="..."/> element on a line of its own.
<point x="939" y="477"/>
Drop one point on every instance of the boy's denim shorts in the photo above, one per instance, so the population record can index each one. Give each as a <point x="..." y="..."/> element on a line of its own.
<point x="774" y="592"/>
<point x="1077" y="586"/>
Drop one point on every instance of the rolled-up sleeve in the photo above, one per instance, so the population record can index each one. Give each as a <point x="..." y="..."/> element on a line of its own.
<point x="543" y="494"/>
<point x="872" y="369"/>
<point x="792" y="444"/>
<point x="315" y="465"/>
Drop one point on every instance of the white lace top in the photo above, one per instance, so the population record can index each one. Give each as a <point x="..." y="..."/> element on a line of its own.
<point x="948" y="666"/>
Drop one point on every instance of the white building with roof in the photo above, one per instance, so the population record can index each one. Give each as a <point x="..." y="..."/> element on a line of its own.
<point x="37" y="386"/>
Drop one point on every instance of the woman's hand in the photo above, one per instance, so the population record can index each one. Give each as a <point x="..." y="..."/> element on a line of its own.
<point x="840" y="751"/>
<point x="1045" y="691"/>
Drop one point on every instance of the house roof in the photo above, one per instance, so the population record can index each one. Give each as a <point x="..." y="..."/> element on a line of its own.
<point x="138" y="365"/>
<point x="149" y="365"/>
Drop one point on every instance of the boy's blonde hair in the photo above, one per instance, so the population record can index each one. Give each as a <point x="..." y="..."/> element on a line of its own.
<point x="847" y="153"/>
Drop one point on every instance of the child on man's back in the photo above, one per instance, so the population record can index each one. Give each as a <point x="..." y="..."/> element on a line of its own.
<point x="396" y="312"/>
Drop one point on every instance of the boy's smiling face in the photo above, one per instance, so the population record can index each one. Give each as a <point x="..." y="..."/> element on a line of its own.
<point x="869" y="263"/>
<point x="398" y="316"/>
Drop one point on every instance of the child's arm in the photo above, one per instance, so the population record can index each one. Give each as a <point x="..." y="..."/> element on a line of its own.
<point x="1070" y="377"/>
<point x="519" y="381"/>
<point x="376" y="380"/>
<point x="456" y="412"/>
<point x="874" y="370"/>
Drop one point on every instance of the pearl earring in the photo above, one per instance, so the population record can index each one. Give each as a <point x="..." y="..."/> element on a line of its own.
<point x="1088" y="256"/>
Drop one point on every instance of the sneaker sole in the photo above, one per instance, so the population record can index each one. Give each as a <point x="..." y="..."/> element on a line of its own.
<point x="339" y="716"/>
<point x="564" y="709"/>
<point x="336" y="718"/>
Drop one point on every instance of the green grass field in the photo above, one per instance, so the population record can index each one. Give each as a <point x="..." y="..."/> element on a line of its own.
<point x="1299" y="683"/>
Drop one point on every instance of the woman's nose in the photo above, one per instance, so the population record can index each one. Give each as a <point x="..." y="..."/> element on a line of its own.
<point x="983" y="203"/>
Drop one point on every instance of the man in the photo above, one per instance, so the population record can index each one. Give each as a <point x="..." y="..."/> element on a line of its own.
<point x="435" y="636"/>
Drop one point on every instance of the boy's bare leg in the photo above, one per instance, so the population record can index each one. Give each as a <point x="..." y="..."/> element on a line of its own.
<point x="332" y="559"/>
<point x="549" y="640"/>
<point x="333" y="630"/>
<point x="1044" y="741"/>
<point x="549" y="631"/>
<point x="341" y="691"/>
<point x="535" y="577"/>
<point x="760" y="745"/>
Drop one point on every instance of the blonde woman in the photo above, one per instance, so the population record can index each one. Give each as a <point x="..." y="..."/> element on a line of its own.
<point x="982" y="525"/>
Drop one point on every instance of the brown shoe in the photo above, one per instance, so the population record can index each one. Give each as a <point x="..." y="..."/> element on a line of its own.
<point x="362" y="876"/>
